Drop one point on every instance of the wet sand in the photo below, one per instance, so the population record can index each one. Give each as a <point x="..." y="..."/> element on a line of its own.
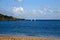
<point x="25" y="38"/>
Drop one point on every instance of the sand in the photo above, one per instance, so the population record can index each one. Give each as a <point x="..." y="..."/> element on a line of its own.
<point x="24" y="38"/>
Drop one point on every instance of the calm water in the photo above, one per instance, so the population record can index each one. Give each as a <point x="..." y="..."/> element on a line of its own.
<point x="31" y="28"/>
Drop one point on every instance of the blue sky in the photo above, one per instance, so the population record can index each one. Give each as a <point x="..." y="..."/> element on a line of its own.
<point x="32" y="9"/>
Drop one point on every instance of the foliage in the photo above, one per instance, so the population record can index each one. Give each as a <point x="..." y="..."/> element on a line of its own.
<point x="5" y="17"/>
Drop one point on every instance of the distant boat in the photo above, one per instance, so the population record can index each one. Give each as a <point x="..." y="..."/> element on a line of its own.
<point x="33" y="19"/>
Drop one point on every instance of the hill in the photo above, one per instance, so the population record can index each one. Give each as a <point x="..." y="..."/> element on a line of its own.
<point x="5" y="17"/>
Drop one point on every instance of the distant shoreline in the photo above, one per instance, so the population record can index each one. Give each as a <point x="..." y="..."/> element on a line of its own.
<point x="9" y="18"/>
<point x="29" y="20"/>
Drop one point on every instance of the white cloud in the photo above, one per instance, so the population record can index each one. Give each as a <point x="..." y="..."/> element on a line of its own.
<point x="33" y="11"/>
<point x="18" y="10"/>
<point x="40" y="11"/>
<point x="20" y="0"/>
<point x="45" y="13"/>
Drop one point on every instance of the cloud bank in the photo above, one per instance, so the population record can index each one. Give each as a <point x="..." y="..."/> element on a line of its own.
<point x="40" y="13"/>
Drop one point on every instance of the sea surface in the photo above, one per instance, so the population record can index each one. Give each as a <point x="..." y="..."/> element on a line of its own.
<point x="41" y="28"/>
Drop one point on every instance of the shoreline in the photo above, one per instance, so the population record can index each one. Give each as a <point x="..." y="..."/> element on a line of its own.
<point x="25" y="38"/>
<point x="28" y="36"/>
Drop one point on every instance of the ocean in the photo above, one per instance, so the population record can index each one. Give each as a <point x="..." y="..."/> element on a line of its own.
<point x="40" y="28"/>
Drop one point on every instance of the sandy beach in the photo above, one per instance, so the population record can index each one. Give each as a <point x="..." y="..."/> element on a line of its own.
<point x="25" y="38"/>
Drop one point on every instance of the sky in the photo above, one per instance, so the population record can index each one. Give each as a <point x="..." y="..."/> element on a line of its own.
<point x="32" y="9"/>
